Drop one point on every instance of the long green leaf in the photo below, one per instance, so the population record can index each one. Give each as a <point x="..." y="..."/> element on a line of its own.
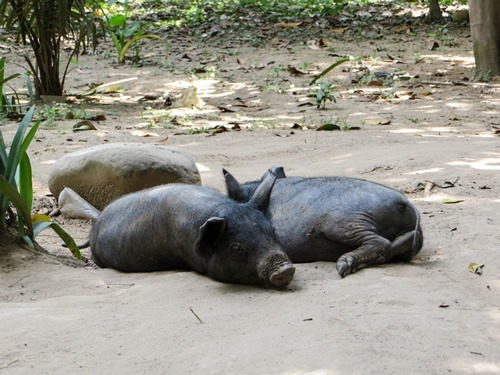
<point x="117" y="44"/>
<point x="121" y="57"/>
<point x="10" y="165"/>
<point x="25" y="181"/>
<point x="27" y="240"/>
<point x="13" y="196"/>
<point x="3" y="155"/>
<point x="3" y="81"/>
<point x="29" y="87"/>
<point x="26" y="190"/>
<point x="9" y="78"/>
<point x="68" y="240"/>
<point x="327" y="70"/>
<point x="15" y="148"/>
<point x="29" y="137"/>
<point x="2" y="74"/>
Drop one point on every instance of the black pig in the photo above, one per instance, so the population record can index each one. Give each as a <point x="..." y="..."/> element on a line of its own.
<point x="351" y="221"/>
<point x="189" y="226"/>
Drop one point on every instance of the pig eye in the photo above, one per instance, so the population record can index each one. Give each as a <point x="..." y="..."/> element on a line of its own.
<point x="236" y="248"/>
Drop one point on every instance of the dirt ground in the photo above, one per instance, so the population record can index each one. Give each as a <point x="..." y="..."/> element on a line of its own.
<point x="429" y="316"/>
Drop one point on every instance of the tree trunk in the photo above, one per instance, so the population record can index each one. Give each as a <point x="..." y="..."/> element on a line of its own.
<point x="435" y="14"/>
<point x="485" y="30"/>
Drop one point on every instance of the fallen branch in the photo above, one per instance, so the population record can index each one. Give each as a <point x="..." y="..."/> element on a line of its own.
<point x="451" y="83"/>
<point x="197" y="317"/>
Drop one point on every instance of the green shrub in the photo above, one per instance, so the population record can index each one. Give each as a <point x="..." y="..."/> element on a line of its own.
<point x="16" y="188"/>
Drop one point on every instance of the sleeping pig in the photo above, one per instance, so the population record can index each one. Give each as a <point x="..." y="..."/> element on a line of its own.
<point x="350" y="221"/>
<point x="191" y="227"/>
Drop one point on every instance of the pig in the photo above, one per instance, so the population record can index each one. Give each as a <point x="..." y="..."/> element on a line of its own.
<point x="180" y="226"/>
<point x="351" y="221"/>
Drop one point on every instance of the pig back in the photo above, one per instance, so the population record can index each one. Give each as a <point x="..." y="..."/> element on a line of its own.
<point x="153" y="229"/>
<point x="310" y="213"/>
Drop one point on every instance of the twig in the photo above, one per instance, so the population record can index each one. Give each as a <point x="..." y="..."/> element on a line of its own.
<point x="22" y="278"/>
<point x="9" y="364"/>
<point x="446" y="185"/>
<point x="197" y="317"/>
<point x="451" y="83"/>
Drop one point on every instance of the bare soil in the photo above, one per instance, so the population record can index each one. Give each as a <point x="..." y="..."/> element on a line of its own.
<point x="429" y="316"/>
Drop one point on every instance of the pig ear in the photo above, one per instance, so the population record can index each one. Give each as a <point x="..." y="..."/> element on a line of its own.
<point x="262" y="195"/>
<point x="210" y="231"/>
<point x="279" y="172"/>
<point x="234" y="190"/>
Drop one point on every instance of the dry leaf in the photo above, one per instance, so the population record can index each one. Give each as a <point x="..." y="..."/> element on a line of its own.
<point x="224" y="109"/>
<point x="218" y="129"/>
<point x="288" y="25"/>
<point x="163" y="141"/>
<point x="294" y="71"/>
<point x="98" y="118"/>
<point x="190" y="98"/>
<point x="255" y="108"/>
<point x="339" y="30"/>
<point x="328" y="127"/>
<point x="451" y="201"/>
<point x="376" y="122"/>
<point x="324" y="43"/>
<point x="312" y="44"/>
<point x="140" y="133"/>
<point x="401" y="29"/>
<point x="476" y="268"/>
<point x="84" y="125"/>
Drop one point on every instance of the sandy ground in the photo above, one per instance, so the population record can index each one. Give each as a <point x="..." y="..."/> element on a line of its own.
<point x="430" y="316"/>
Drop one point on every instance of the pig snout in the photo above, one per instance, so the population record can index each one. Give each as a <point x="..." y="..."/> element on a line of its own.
<point x="282" y="276"/>
<point x="277" y="271"/>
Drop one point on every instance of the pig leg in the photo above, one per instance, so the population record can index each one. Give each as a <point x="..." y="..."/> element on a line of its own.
<point x="377" y="250"/>
<point x="405" y="246"/>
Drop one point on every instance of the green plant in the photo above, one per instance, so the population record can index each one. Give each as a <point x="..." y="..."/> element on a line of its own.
<point x="124" y="33"/>
<point x="211" y="72"/>
<point x="6" y="103"/>
<point x="270" y="124"/>
<point x="44" y="25"/>
<point x="323" y="93"/>
<point x="77" y="114"/>
<point x="198" y="130"/>
<point x="277" y="70"/>
<point x="330" y="68"/>
<point x="16" y="188"/>
<point x="337" y="123"/>
<point x="51" y="113"/>
<point x="10" y="105"/>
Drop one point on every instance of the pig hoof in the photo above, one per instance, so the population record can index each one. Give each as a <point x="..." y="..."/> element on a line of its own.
<point x="346" y="265"/>
<point x="282" y="276"/>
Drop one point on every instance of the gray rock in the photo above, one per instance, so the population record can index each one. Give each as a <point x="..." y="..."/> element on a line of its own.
<point x="103" y="173"/>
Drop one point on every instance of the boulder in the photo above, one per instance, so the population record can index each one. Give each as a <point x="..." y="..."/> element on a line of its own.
<point x="103" y="173"/>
